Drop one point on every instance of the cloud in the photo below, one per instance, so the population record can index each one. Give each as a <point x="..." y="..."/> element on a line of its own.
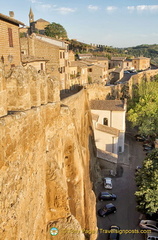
<point x="65" y="10"/>
<point x="111" y="8"/>
<point x="45" y="6"/>
<point x="131" y="8"/>
<point x="35" y="1"/>
<point x="142" y="8"/>
<point x="93" y="8"/>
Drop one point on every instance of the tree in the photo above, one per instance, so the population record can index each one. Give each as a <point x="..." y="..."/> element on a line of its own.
<point x="144" y="111"/>
<point x="56" y="30"/>
<point x="147" y="181"/>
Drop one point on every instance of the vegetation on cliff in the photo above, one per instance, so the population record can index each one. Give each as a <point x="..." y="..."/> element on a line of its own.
<point x="143" y="110"/>
<point x="150" y="51"/>
<point x="147" y="181"/>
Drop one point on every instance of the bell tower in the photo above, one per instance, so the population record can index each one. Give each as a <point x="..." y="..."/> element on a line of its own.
<point x="31" y="16"/>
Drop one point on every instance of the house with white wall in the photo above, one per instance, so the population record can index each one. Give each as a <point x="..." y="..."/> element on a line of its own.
<point x="109" y="125"/>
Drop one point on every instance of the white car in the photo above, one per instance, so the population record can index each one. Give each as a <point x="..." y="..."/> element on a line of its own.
<point x="149" y="224"/>
<point x="107" y="183"/>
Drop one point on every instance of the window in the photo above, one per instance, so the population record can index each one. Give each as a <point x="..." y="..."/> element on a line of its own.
<point x="41" y="66"/>
<point x="89" y="69"/>
<point x="60" y="54"/>
<point x="10" y="37"/>
<point x="120" y="149"/>
<point x="105" y="121"/>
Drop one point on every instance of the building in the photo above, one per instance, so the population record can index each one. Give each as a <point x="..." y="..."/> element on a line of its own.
<point x="51" y="49"/>
<point x="117" y="62"/>
<point x="78" y="73"/>
<point x="97" y="73"/>
<point x="85" y="56"/>
<point x="9" y="41"/>
<point x="109" y="125"/>
<point x="115" y="75"/>
<point x="37" y="62"/>
<point x="37" y="26"/>
<point x="141" y="63"/>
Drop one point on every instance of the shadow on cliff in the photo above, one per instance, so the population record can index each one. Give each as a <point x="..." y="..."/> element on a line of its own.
<point x="64" y="93"/>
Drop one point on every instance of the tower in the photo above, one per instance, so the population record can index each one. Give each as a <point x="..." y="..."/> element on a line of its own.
<point x="31" y="16"/>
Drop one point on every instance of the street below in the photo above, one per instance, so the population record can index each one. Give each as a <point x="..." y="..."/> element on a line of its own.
<point x="124" y="186"/>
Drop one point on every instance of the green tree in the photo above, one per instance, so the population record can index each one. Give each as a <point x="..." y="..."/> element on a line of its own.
<point x="147" y="181"/>
<point x="56" y="30"/>
<point x="144" y="110"/>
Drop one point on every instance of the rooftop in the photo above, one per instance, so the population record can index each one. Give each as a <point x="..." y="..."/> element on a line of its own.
<point x="110" y="130"/>
<point x="27" y="59"/>
<point x="112" y="105"/>
<point x="118" y="58"/>
<point x="10" y="19"/>
<point x="41" y="20"/>
<point x="78" y="64"/>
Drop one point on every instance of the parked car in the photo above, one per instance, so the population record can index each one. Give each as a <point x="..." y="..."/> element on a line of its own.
<point x="140" y="138"/>
<point x="148" y="144"/>
<point x="137" y="168"/>
<point x="152" y="236"/>
<point x="107" y="183"/>
<point x="132" y="71"/>
<point x="147" y="148"/>
<point x="149" y="224"/>
<point x="114" y="233"/>
<point x="126" y="72"/>
<point x="106" y="210"/>
<point x="106" y="196"/>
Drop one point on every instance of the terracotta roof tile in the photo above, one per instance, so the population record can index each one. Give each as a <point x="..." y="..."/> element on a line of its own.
<point x="11" y="19"/>
<point x="112" y="105"/>
<point x="27" y="59"/>
<point x="110" y="130"/>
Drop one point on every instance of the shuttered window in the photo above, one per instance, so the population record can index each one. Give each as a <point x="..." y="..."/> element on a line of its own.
<point x="10" y="37"/>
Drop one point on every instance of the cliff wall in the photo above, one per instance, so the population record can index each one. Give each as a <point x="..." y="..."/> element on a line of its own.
<point x="99" y="91"/>
<point x="46" y="153"/>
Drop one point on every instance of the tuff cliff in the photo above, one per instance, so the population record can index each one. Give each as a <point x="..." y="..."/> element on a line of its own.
<point x="46" y="156"/>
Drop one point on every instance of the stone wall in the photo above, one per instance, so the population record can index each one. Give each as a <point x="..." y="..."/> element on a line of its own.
<point x="99" y="91"/>
<point x="45" y="162"/>
<point x="21" y="89"/>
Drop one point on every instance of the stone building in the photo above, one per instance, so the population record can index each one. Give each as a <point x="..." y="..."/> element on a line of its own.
<point x="109" y="125"/>
<point x="117" y="62"/>
<point x="9" y="41"/>
<point x="115" y="75"/>
<point x="38" y="62"/>
<point x="97" y="73"/>
<point x="141" y="63"/>
<point x="37" y="26"/>
<point x="51" y="49"/>
<point x="99" y="60"/>
<point x="78" y="73"/>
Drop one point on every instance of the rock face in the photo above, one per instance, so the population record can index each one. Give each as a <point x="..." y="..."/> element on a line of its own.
<point x="45" y="164"/>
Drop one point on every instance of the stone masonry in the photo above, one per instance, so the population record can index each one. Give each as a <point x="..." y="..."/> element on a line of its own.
<point x="46" y="151"/>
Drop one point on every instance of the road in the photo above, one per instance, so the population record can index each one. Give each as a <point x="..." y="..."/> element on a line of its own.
<point x="126" y="77"/>
<point x="126" y="217"/>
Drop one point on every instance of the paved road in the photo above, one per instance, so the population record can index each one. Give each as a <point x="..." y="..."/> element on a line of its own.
<point x="126" y="77"/>
<point x="124" y="187"/>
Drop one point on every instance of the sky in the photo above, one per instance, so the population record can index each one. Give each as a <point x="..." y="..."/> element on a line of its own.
<point x="116" y="23"/>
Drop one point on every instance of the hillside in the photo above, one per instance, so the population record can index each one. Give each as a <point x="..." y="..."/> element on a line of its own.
<point x="145" y="50"/>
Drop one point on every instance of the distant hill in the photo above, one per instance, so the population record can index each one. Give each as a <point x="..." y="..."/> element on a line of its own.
<point x="145" y="50"/>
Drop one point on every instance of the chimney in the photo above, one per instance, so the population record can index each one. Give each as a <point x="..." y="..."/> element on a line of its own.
<point x="11" y="14"/>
